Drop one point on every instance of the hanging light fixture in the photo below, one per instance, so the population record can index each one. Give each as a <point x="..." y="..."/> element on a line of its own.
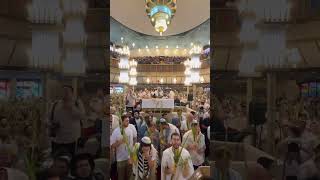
<point x="124" y="64"/>
<point x="187" y="72"/>
<point x="160" y="13"/>
<point x="195" y="63"/>
<point x="133" y="73"/>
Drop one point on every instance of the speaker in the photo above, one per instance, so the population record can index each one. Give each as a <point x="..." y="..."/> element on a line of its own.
<point x="257" y="113"/>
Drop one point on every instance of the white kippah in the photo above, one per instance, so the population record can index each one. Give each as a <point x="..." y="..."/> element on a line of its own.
<point x="162" y="120"/>
<point x="146" y="140"/>
<point x="194" y="122"/>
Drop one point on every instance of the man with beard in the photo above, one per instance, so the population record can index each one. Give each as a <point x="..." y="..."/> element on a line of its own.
<point x="195" y="144"/>
<point x="82" y="168"/>
<point x="139" y="124"/>
<point x="166" y="130"/>
<point x="176" y="161"/>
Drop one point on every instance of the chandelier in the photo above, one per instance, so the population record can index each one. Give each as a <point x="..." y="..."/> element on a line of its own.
<point x="124" y="65"/>
<point x="133" y="73"/>
<point x="160" y="13"/>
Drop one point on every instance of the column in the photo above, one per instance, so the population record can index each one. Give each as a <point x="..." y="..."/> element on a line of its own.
<point x="46" y="89"/>
<point x="75" y="86"/>
<point x="13" y="85"/>
<point x="271" y="112"/>
<point x="187" y="90"/>
<point x="194" y="90"/>
<point x="74" y="37"/>
<point x="248" y="100"/>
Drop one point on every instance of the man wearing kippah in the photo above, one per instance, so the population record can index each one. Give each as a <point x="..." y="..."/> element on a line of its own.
<point x="144" y="160"/>
<point x="166" y="130"/>
<point x="195" y="144"/>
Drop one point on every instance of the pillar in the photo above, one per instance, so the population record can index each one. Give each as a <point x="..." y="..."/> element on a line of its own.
<point x="249" y="96"/>
<point x="271" y="112"/>
<point x="13" y="86"/>
<point x="46" y="88"/>
<point x="75" y="86"/>
<point x="194" y="90"/>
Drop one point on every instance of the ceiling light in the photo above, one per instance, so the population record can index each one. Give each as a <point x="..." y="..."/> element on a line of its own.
<point x="160" y="13"/>
<point x="147" y="47"/>
<point x="177" y="47"/>
<point x="156" y="47"/>
<point x="161" y="80"/>
<point x="167" y="47"/>
<point x="191" y="44"/>
<point x="139" y="50"/>
<point x="148" y="80"/>
<point x="174" y="80"/>
<point x="133" y="44"/>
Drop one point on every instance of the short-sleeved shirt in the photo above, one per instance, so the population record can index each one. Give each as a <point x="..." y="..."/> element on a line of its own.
<point x="197" y="158"/>
<point x="122" y="150"/>
<point x="168" y="161"/>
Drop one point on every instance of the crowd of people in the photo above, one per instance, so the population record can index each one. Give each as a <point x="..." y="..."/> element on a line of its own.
<point x="297" y="142"/>
<point x="160" y="59"/>
<point x="171" y="146"/>
<point x="78" y="135"/>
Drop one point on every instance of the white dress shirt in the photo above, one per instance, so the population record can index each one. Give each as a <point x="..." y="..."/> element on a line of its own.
<point x="188" y="139"/>
<point x="122" y="151"/>
<point x="168" y="161"/>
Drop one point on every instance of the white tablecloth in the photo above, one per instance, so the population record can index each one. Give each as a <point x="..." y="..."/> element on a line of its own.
<point x="158" y="103"/>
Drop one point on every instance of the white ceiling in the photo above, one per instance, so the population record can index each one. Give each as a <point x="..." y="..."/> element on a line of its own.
<point x="131" y="13"/>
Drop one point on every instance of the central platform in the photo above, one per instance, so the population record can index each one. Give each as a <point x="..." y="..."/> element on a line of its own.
<point x="155" y="103"/>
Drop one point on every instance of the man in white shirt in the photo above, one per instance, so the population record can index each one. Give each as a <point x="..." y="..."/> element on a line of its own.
<point x="166" y="132"/>
<point x="174" y="166"/>
<point x="195" y="144"/>
<point x="186" y="124"/>
<point x="130" y="100"/>
<point x="121" y="141"/>
<point x="303" y="138"/>
<point x="114" y="119"/>
<point x="171" y="94"/>
<point x="65" y="122"/>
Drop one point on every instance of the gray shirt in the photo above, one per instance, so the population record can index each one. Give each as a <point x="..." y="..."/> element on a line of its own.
<point x="69" y="121"/>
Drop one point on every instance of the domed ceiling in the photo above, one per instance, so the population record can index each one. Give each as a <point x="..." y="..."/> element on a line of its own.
<point x="132" y="13"/>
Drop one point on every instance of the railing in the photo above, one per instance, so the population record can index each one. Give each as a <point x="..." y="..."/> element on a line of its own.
<point x="160" y="67"/>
